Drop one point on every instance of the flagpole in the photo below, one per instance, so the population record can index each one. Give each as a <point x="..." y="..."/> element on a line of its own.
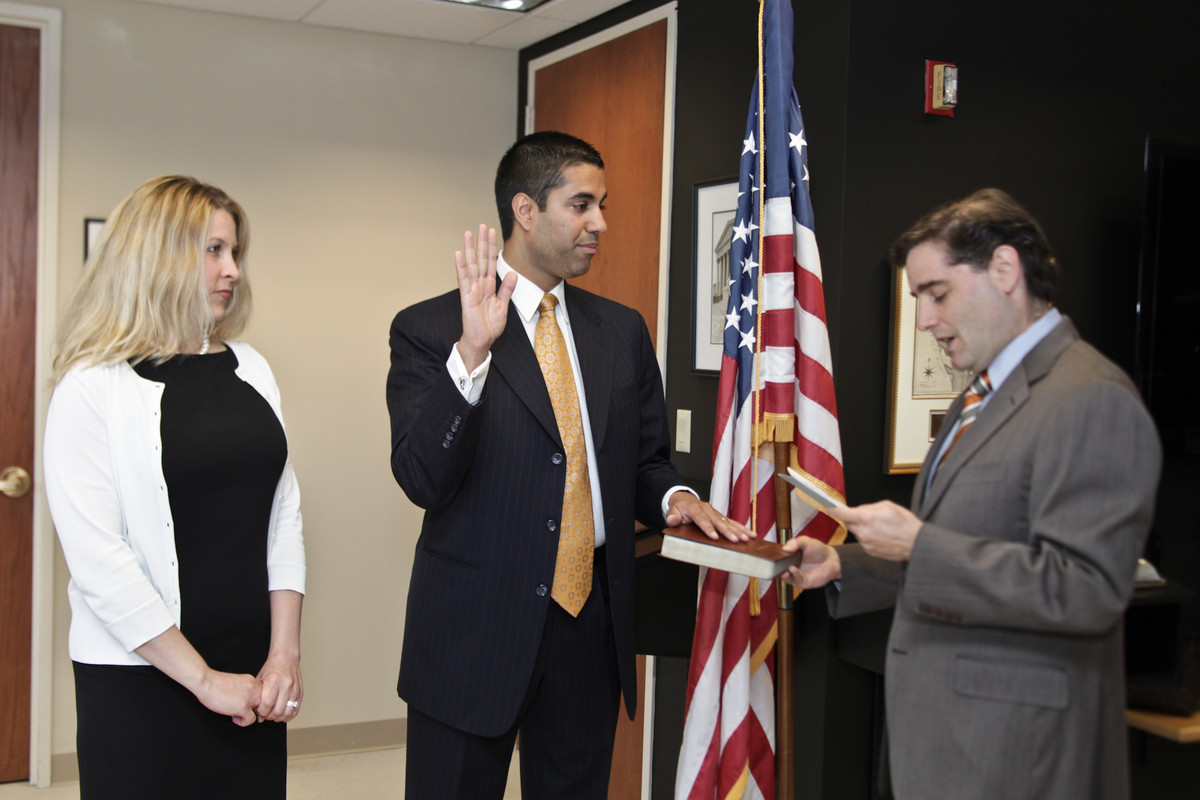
<point x="776" y="428"/>
<point x="779" y="428"/>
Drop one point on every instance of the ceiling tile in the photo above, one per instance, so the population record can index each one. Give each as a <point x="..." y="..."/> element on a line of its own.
<point x="574" y="10"/>
<point x="524" y="33"/>
<point x="290" y="10"/>
<point x="421" y="19"/>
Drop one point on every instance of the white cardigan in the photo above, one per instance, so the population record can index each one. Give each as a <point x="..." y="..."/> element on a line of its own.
<point x="108" y="499"/>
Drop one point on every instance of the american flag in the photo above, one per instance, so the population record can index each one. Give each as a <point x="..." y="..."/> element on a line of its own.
<point x="776" y="384"/>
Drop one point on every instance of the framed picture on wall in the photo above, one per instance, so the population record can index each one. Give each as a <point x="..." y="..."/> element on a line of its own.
<point x="922" y="384"/>
<point x="715" y="205"/>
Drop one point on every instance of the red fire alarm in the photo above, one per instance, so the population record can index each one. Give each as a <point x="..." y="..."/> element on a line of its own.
<point x="941" y="87"/>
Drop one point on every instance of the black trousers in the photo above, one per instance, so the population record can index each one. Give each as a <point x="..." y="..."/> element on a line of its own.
<point x="567" y="721"/>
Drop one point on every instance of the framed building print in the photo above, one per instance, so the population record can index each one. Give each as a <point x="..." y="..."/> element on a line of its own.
<point x="715" y="205"/>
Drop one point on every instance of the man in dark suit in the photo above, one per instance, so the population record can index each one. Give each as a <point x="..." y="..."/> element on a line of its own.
<point x="1011" y="573"/>
<point x="528" y="421"/>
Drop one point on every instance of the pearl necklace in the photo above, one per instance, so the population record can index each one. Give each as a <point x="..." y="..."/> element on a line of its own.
<point x="204" y="345"/>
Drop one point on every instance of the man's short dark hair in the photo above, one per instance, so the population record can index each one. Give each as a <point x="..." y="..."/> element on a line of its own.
<point x="972" y="229"/>
<point x="534" y="166"/>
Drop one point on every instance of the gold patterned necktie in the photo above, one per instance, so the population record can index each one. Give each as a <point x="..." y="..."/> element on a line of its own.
<point x="576" y="538"/>
<point x="971" y="408"/>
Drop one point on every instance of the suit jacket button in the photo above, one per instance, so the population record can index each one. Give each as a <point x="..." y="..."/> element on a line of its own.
<point x="557" y="459"/>
<point x="446" y="445"/>
<point x="551" y="525"/>
<point x="542" y="590"/>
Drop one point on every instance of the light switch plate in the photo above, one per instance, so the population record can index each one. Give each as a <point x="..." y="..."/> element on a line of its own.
<point x="683" y="430"/>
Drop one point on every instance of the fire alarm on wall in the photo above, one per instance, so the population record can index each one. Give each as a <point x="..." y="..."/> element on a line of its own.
<point x="941" y="87"/>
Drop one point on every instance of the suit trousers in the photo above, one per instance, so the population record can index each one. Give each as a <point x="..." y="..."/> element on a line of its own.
<point x="567" y="720"/>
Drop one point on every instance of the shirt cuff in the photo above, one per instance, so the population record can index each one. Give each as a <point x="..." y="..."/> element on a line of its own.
<point x="666" y="501"/>
<point x="469" y="383"/>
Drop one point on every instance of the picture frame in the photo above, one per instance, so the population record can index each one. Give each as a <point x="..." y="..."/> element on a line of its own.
<point x="715" y="206"/>
<point x="91" y="231"/>
<point x="921" y="384"/>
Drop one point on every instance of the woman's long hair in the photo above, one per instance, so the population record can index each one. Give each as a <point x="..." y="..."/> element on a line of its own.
<point x="143" y="293"/>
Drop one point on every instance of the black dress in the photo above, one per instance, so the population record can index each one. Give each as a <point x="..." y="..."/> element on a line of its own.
<point x="141" y="734"/>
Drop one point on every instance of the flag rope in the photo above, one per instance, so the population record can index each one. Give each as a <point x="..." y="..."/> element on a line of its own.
<point x="756" y="439"/>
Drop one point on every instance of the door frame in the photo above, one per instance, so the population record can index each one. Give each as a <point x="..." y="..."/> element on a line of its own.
<point x="49" y="22"/>
<point x="666" y="12"/>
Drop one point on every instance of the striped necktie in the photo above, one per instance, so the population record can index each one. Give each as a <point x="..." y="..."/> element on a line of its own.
<point x="971" y="406"/>
<point x="577" y="536"/>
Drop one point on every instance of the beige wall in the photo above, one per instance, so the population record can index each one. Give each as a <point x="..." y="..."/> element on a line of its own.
<point x="360" y="159"/>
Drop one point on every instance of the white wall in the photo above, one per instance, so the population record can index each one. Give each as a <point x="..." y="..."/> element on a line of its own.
<point x="360" y="159"/>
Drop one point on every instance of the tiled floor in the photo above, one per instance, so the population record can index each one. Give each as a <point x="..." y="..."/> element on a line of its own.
<point x="362" y="776"/>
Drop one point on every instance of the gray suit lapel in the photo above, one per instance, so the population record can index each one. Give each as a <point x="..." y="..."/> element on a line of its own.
<point x="1006" y="401"/>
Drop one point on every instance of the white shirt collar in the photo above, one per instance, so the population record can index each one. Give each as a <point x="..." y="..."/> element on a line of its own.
<point x="1015" y="351"/>
<point x="527" y="296"/>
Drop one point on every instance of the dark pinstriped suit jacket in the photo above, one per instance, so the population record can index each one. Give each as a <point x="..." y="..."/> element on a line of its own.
<point x="492" y="487"/>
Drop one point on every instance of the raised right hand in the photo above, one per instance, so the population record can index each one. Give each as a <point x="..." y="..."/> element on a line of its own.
<point x="484" y="308"/>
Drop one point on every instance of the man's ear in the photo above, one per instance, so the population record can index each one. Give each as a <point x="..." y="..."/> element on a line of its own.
<point x="524" y="210"/>
<point x="1005" y="269"/>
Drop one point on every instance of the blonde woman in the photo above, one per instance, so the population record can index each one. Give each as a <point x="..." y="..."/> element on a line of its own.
<point x="170" y="486"/>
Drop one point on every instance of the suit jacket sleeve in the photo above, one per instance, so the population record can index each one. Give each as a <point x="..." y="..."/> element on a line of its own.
<point x="656" y="473"/>
<point x="867" y="584"/>
<point x="432" y="442"/>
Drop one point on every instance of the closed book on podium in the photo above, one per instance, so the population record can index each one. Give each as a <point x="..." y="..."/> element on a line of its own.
<point x="755" y="558"/>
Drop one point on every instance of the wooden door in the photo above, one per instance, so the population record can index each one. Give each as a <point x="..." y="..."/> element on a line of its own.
<point x="613" y="96"/>
<point x="19" y="98"/>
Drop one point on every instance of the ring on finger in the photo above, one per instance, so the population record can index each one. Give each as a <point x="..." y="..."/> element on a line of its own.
<point x="293" y="704"/>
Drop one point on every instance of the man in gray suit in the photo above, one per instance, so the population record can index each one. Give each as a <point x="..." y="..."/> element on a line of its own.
<point x="1011" y="573"/>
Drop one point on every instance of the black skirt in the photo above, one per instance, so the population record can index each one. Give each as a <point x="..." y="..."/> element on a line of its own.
<point x="142" y="736"/>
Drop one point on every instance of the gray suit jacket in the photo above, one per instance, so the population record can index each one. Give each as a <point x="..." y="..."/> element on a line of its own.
<point x="1005" y="673"/>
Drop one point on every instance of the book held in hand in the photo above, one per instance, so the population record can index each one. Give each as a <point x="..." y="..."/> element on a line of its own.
<point x="822" y="498"/>
<point x="755" y="558"/>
